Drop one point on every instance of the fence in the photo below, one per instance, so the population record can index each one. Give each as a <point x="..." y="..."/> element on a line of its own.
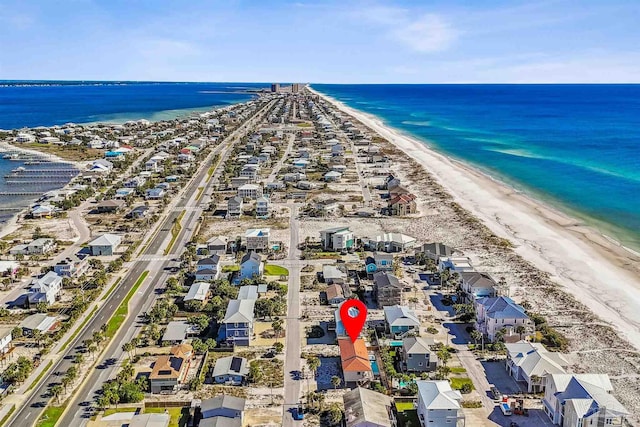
<point x="168" y="404"/>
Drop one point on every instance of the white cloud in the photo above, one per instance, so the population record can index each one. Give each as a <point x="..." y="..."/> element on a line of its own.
<point x="430" y="33"/>
<point x="424" y="33"/>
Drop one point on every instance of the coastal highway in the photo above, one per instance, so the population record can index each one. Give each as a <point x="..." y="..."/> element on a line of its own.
<point x="32" y="409"/>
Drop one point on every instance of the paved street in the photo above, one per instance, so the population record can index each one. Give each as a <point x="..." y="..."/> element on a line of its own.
<point x="293" y="346"/>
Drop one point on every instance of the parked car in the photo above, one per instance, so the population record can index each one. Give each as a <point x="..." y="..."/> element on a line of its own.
<point x="495" y="393"/>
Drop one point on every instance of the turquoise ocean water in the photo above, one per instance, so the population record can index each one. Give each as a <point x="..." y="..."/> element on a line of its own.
<point x="576" y="147"/>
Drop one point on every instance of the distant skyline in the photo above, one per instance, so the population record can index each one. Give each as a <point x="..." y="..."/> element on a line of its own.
<point x="348" y="41"/>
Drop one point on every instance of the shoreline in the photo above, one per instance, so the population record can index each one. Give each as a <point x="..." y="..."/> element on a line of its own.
<point x="598" y="271"/>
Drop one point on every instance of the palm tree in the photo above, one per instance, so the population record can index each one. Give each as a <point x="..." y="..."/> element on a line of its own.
<point x="520" y="329"/>
<point x="314" y="363"/>
<point x="444" y="355"/>
<point x="335" y="381"/>
<point x="37" y="336"/>
<point x="78" y="358"/>
<point x="66" y="381"/>
<point x="56" y="391"/>
<point x="128" y="347"/>
<point x="476" y="336"/>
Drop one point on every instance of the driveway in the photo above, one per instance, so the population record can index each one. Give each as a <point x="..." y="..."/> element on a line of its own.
<point x="536" y="418"/>
<point x="498" y="376"/>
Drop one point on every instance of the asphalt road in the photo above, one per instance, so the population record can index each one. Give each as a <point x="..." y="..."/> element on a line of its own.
<point x="292" y="355"/>
<point x="29" y="412"/>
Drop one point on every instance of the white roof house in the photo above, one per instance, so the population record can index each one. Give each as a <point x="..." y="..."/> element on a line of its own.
<point x="527" y="360"/>
<point x="198" y="291"/>
<point x="105" y="244"/>
<point x="438" y="404"/>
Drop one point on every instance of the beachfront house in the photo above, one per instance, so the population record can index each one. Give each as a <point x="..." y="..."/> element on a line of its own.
<point x="400" y="320"/>
<point x="438" y="404"/>
<point x="502" y="314"/>
<point x="455" y="264"/>
<point x="435" y="250"/>
<point x="477" y="285"/>
<point x="530" y="363"/>
<point x="262" y="207"/>
<point x="580" y="400"/>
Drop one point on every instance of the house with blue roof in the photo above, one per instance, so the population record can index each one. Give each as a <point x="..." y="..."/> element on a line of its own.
<point x="496" y="313"/>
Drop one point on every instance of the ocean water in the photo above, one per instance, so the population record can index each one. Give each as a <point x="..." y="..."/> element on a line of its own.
<point x="576" y="147"/>
<point x="31" y="103"/>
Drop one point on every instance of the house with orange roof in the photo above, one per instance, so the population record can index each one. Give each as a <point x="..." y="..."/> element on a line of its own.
<point x="354" y="357"/>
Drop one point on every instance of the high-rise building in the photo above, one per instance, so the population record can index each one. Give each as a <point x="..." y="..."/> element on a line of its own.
<point x="275" y="87"/>
<point x="295" y="87"/>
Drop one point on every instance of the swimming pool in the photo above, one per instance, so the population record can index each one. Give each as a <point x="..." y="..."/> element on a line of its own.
<point x="395" y="343"/>
<point x="374" y="367"/>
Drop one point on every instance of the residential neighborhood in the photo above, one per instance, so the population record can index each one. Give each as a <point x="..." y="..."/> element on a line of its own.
<point x="213" y="254"/>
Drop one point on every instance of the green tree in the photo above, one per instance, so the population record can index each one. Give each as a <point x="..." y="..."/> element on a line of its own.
<point x="56" y="391"/>
<point x="313" y="363"/>
<point x="42" y="307"/>
<point x="277" y="326"/>
<point x="335" y="381"/>
<point x="278" y="347"/>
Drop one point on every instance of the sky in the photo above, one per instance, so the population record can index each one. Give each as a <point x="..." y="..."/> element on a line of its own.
<point x="341" y="41"/>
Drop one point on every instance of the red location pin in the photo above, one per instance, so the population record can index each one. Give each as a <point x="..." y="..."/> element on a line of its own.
<point x="353" y="314"/>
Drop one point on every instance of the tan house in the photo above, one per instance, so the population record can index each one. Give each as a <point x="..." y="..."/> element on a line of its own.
<point x="401" y="205"/>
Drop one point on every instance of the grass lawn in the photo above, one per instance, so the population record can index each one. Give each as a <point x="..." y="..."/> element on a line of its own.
<point x="457" y="383"/>
<point x="50" y="416"/>
<point x="230" y="268"/>
<point x="275" y="270"/>
<point x="179" y="416"/>
<point x="121" y="313"/>
<point x="404" y="406"/>
<point x="458" y="370"/>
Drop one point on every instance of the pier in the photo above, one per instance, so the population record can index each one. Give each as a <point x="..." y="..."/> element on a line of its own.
<point x="21" y="193"/>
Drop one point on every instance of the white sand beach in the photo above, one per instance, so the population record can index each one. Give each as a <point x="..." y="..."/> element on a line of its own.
<point x="599" y="273"/>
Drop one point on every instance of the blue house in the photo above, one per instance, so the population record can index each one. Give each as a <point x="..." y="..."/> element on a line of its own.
<point x="250" y="266"/>
<point x="237" y="326"/>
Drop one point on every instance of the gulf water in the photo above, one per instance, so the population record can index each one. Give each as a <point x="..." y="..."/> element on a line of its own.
<point x="576" y="147"/>
<point x="48" y="103"/>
